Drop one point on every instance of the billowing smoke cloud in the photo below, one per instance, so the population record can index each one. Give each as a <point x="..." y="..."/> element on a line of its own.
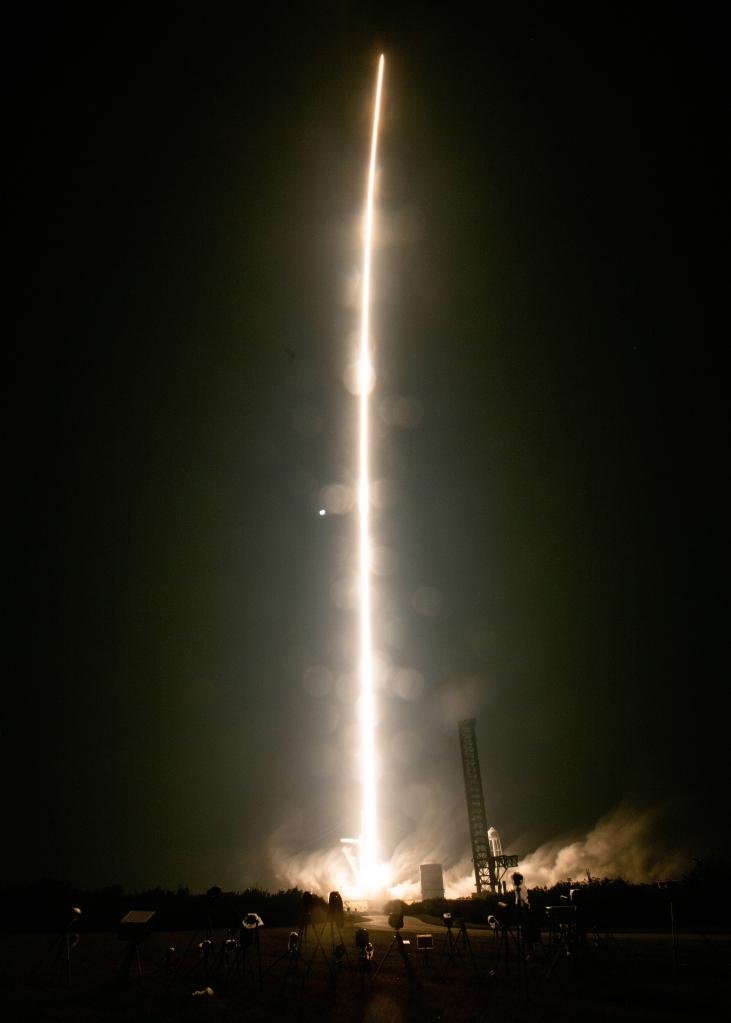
<point x="430" y="838"/>
<point x="627" y="842"/>
<point x="318" y="871"/>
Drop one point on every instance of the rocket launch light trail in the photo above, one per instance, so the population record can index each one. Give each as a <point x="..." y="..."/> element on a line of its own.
<point x="369" y="866"/>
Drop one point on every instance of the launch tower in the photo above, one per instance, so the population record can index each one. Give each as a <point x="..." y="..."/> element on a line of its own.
<point x="482" y="858"/>
<point x="490" y="861"/>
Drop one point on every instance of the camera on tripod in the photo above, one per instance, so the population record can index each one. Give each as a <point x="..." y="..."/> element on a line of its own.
<point x="363" y="943"/>
<point x="249" y="931"/>
<point x="396" y="917"/>
<point x="335" y="909"/>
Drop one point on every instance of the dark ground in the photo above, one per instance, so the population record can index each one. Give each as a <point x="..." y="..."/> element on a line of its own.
<point x="632" y="977"/>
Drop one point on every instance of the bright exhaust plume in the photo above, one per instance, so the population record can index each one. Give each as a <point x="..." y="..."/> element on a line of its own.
<point x="372" y="875"/>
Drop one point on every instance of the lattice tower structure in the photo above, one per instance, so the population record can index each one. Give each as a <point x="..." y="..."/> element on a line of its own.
<point x="484" y="864"/>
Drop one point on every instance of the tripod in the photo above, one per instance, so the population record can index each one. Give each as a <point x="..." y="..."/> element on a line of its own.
<point x="337" y="947"/>
<point x="504" y="935"/>
<point x="206" y="960"/>
<point x="458" y="947"/>
<point x="131" y="954"/>
<point x="228" y="954"/>
<point x="318" y="947"/>
<point x="564" y="934"/>
<point x="60" y="949"/>
<point x="398" y="943"/>
<point x="365" y="955"/>
<point x="295" y="953"/>
<point x="247" y="955"/>
<point x="338" y="951"/>
<point x="292" y="955"/>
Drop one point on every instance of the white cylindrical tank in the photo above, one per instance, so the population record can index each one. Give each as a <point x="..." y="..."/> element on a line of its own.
<point x="496" y="846"/>
<point x="432" y="882"/>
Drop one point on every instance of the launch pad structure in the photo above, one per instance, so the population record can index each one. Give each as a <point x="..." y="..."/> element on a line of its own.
<point x="489" y="867"/>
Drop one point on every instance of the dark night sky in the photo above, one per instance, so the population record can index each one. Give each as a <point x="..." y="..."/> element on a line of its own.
<point x="185" y="194"/>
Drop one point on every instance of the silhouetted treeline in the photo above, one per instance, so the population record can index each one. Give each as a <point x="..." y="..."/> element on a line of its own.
<point x="46" y="906"/>
<point x="701" y="897"/>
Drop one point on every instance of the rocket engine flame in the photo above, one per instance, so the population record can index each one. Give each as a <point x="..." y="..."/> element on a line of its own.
<point x="370" y="871"/>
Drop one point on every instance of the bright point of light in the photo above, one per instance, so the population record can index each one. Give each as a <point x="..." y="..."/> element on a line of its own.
<point x="322" y="511"/>
<point x="372" y="874"/>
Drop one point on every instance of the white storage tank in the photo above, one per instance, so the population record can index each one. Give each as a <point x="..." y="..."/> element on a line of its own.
<point x="496" y="846"/>
<point x="432" y="881"/>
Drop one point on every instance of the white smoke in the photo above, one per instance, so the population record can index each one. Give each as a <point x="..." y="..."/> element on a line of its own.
<point x="432" y="824"/>
<point x="320" y="871"/>
<point x="626" y="842"/>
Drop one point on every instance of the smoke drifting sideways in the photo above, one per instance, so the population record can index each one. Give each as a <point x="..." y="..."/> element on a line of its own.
<point x="627" y="842"/>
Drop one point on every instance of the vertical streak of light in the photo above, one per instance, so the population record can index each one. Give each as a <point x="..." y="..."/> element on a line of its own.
<point x="369" y="834"/>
